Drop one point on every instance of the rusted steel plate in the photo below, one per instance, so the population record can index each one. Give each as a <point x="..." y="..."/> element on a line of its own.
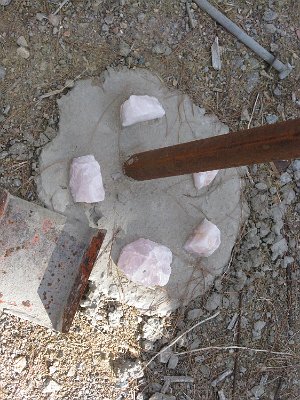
<point x="45" y="262"/>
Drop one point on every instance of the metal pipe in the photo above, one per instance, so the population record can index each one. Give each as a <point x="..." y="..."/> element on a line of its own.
<point x="257" y="145"/>
<point x="284" y="70"/>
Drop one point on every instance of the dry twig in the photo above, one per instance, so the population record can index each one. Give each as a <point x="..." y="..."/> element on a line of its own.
<point x="180" y="336"/>
<point x="278" y="353"/>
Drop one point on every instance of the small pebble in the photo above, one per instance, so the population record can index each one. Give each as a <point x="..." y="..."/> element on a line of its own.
<point x="277" y="92"/>
<point x="195" y="313"/>
<point x="40" y="16"/>
<point x="2" y="73"/>
<point x="105" y="28"/>
<point x="270" y="28"/>
<point x="271" y="119"/>
<point x="124" y="49"/>
<point x="173" y="361"/>
<point x="22" y="52"/>
<point x="213" y="302"/>
<point x="269" y="15"/>
<point x="21" y="41"/>
<point x="54" y="19"/>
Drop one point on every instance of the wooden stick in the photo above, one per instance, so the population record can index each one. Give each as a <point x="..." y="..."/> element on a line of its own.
<point x="257" y="145"/>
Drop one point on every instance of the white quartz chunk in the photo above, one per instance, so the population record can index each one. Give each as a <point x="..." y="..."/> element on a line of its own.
<point x="140" y="109"/>
<point x="146" y="262"/>
<point x="85" y="180"/>
<point x="202" y="179"/>
<point x="205" y="239"/>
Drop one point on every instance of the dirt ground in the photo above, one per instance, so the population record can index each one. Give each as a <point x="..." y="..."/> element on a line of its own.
<point x="87" y="38"/>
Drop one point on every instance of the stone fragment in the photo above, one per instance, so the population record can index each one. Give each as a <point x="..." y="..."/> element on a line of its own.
<point x="296" y="165"/>
<point x="21" y="41"/>
<point x="257" y="329"/>
<point x="161" y="48"/>
<point x="20" y="364"/>
<point x="153" y="329"/>
<point x="165" y="355"/>
<point x="23" y="52"/>
<point x="71" y="372"/>
<point x="5" y="2"/>
<point x="213" y="302"/>
<point x="279" y="248"/>
<point x="215" y="55"/>
<point x="40" y="16"/>
<point x="86" y="180"/>
<point x="271" y="118"/>
<point x="269" y="15"/>
<point x="126" y="370"/>
<point x="285" y="178"/>
<point x="194" y="314"/>
<point x="252" y="81"/>
<point x="51" y="387"/>
<point x="139" y="109"/>
<point x="54" y="19"/>
<point x="205" y="239"/>
<point x="114" y="317"/>
<point x="173" y="361"/>
<point x="221" y="377"/>
<point x="146" y="262"/>
<point x="2" y="73"/>
<point x="124" y="49"/>
<point x="202" y="179"/>
<point x="270" y="28"/>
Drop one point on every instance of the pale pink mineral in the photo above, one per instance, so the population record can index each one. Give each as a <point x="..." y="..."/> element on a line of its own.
<point x="86" y="180"/>
<point x="202" y="179"/>
<point x="145" y="262"/>
<point x="140" y="109"/>
<point x="205" y="239"/>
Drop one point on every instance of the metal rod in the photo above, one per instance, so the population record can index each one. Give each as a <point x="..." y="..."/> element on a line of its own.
<point x="231" y="27"/>
<point x="257" y="145"/>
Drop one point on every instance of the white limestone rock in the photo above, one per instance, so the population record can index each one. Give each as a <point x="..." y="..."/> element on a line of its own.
<point x="85" y="180"/>
<point x="205" y="239"/>
<point x="146" y="263"/>
<point x="202" y="179"/>
<point x="139" y="109"/>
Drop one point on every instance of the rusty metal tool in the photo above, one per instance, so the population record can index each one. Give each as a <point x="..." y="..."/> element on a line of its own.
<point x="280" y="141"/>
<point x="45" y="262"/>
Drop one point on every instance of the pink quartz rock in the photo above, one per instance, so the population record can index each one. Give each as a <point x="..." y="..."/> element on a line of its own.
<point x="85" y="180"/>
<point x="205" y="239"/>
<point x="140" y="109"/>
<point x="202" y="179"/>
<point x="146" y="262"/>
